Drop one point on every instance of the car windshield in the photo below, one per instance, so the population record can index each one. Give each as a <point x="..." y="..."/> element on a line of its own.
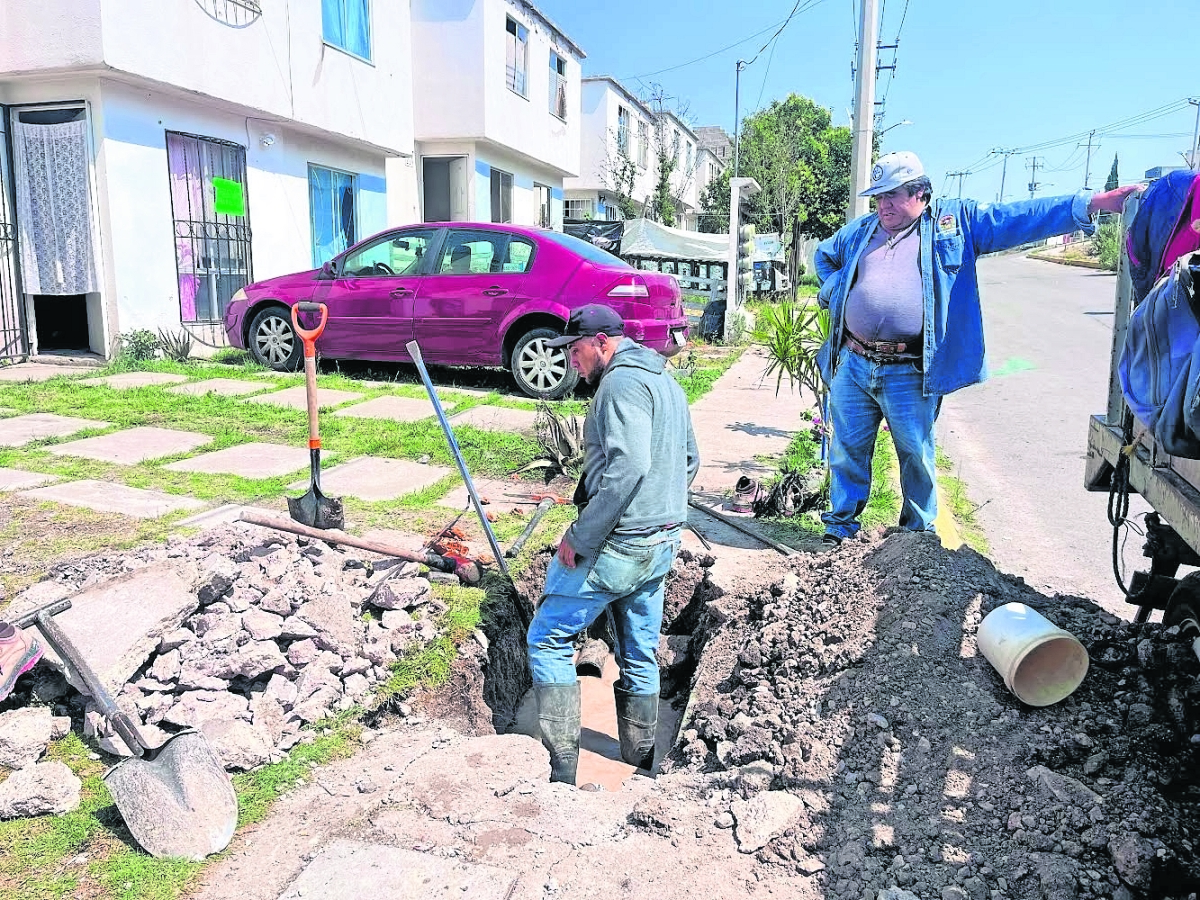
<point x="590" y="252"/>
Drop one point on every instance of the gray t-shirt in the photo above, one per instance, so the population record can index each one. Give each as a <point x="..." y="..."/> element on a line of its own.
<point x="886" y="303"/>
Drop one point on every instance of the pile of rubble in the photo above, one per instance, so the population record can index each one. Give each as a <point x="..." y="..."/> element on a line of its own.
<point x="279" y="632"/>
<point x="846" y="727"/>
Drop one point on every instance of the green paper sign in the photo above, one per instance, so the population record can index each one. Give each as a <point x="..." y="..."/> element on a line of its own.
<point x="229" y="197"/>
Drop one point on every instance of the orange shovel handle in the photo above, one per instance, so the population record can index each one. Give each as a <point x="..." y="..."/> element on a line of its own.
<point x="309" y="336"/>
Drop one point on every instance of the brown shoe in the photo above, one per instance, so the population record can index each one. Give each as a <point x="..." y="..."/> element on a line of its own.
<point x="19" y="652"/>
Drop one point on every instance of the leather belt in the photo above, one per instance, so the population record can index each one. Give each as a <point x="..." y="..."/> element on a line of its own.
<point x="880" y="351"/>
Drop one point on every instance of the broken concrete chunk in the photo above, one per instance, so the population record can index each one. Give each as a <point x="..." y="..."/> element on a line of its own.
<point x="194" y="708"/>
<point x="333" y="620"/>
<point x="295" y="628"/>
<point x="262" y="626"/>
<point x="281" y="690"/>
<point x="269" y="717"/>
<point x="302" y="652"/>
<point x="175" y="639"/>
<point x="254" y="659"/>
<point x="24" y="735"/>
<point x="1065" y="788"/>
<point x="166" y="667"/>
<point x="214" y="627"/>
<point x="38" y="789"/>
<point x="238" y="744"/>
<point x="60" y="727"/>
<point x="400" y="593"/>
<point x="762" y="817"/>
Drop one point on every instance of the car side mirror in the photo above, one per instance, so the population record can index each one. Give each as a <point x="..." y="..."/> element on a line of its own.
<point x="329" y="269"/>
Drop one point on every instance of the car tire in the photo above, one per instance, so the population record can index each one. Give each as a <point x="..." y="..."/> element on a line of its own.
<point x="1183" y="609"/>
<point x="541" y="371"/>
<point x="273" y="341"/>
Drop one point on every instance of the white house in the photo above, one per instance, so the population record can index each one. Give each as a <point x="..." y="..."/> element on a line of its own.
<point x="496" y="111"/>
<point x="617" y="130"/>
<point x="188" y="147"/>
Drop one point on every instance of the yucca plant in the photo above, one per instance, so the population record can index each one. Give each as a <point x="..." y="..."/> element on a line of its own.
<point x="792" y="336"/>
<point x="176" y="346"/>
<point x="561" y="439"/>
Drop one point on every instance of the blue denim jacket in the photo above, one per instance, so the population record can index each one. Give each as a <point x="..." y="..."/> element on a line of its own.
<point x="953" y="234"/>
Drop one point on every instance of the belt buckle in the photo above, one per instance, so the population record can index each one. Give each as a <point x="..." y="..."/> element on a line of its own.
<point x="886" y="348"/>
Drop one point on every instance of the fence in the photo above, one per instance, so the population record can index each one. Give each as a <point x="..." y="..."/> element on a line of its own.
<point x="702" y="284"/>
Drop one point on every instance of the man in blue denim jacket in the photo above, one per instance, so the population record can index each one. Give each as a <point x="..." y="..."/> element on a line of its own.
<point x="906" y="326"/>
<point x="640" y="457"/>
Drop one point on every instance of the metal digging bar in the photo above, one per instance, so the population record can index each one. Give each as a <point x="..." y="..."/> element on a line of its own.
<point x="414" y="350"/>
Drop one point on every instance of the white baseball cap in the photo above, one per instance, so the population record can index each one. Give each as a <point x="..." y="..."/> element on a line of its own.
<point x="892" y="170"/>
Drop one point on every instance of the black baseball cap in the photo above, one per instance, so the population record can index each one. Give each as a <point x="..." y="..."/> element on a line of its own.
<point x="595" y="318"/>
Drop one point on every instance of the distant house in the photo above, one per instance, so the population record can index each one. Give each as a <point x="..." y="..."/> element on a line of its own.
<point x="496" y="111"/>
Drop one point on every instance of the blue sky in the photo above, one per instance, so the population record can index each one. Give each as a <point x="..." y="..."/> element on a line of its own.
<point x="971" y="75"/>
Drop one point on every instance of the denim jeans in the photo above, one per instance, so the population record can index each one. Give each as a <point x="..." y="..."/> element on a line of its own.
<point x="862" y="393"/>
<point x="626" y="575"/>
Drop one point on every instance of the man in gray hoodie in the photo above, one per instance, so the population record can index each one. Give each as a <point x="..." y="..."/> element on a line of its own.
<point x="640" y="458"/>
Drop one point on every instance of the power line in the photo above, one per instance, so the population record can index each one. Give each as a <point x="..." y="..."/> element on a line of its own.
<point x="808" y="4"/>
<point x="692" y="62"/>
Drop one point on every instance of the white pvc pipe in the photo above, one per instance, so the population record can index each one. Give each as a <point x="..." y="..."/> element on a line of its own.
<point x="1039" y="662"/>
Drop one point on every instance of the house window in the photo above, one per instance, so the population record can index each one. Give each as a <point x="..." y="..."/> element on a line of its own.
<point x="518" y="56"/>
<point x="542" y="194"/>
<point x="502" y="189"/>
<point x="346" y="24"/>
<point x="212" y="223"/>
<point x="643" y="144"/>
<point x="622" y="131"/>
<point x="578" y="209"/>
<point x="331" y="202"/>
<point x="558" y="85"/>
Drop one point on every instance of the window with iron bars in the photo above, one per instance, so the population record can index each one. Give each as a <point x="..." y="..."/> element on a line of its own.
<point x="212" y="223"/>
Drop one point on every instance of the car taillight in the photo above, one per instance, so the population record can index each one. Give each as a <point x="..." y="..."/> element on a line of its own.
<point x="627" y="288"/>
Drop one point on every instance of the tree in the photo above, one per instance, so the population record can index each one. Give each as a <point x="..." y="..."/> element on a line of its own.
<point x="802" y="164"/>
<point x="714" y="204"/>
<point x="662" y="204"/>
<point x="1113" y="181"/>
<point x="619" y="173"/>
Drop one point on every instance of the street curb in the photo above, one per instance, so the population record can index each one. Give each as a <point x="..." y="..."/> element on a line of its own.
<point x="944" y="524"/>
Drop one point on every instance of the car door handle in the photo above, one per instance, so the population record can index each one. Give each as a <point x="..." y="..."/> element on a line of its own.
<point x="494" y="291"/>
<point x="402" y="292"/>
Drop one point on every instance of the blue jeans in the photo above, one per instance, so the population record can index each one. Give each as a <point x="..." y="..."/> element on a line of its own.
<point x="626" y="575"/>
<point x="862" y="393"/>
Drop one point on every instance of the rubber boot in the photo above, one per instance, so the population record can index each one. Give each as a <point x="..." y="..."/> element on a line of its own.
<point x="637" y="721"/>
<point x="558" y="718"/>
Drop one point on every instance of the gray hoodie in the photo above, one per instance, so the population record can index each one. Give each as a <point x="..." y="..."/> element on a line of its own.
<point x="640" y="452"/>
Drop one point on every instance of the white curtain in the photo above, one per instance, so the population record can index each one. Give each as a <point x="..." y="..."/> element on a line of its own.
<point x="53" y="208"/>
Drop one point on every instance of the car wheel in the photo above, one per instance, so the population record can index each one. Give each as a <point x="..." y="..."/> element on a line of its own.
<point x="542" y="371"/>
<point x="273" y="341"/>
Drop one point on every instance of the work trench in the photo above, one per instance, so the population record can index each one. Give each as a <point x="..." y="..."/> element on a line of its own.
<point x="828" y="729"/>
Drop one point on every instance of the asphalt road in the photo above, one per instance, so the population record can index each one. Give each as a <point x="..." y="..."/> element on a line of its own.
<point x="1019" y="440"/>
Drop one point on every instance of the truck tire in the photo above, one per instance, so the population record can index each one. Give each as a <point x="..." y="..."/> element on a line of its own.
<point x="1183" y="609"/>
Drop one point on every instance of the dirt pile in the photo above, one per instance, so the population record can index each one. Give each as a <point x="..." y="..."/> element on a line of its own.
<point x="854" y="684"/>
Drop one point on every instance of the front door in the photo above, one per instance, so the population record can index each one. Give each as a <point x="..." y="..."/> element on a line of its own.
<point x="371" y="299"/>
<point x="478" y="278"/>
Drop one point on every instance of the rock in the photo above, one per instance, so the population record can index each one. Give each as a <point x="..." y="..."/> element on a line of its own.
<point x="762" y="817"/>
<point x="60" y="727"/>
<point x="1095" y="763"/>
<point x="379" y="653"/>
<point x="895" y="893"/>
<point x="175" y="639"/>
<point x="1133" y="858"/>
<point x="214" y="587"/>
<point x="281" y="690"/>
<point x="254" y="659"/>
<point x="24" y="735"/>
<point x="313" y="679"/>
<point x="212" y="628"/>
<point x="302" y="652"/>
<point x="194" y="708"/>
<point x="332" y="617"/>
<point x="262" y="625"/>
<point x="953" y="892"/>
<point x="754" y="778"/>
<point x="269" y="717"/>
<point x="356" y="665"/>
<point x="166" y="666"/>
<point x="38" y="789"/>
<point x="317" y="706"/>
<point x="396" y="618"/>
<point x="277" y="602"/>
<point x="400" y="593"/>
<point x="673" y="649"/>
<point x="1057" y="875"/>
<point x="239" y="745"/>
<point x="1065" y="788"/>
<point x="294" y="628"/>
<point x="356" y="686"/>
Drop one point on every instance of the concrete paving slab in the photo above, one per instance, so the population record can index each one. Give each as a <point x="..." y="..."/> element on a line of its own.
<point x="297" y="397"/>
<point x="497" y="418"/>
<point x="399" y="409"/>
<point x="495" y="492"/>
<point x="34" y="426"/>
<point x="104" y="496"/>
<point x="20" y="480"/>
<point x="40" y="371"/>
<point x="118" y="623"/>
<point x="247" y="460"/>
<point x="131" y="446"/>
<point x="373" y="479"/>
<point x="224" y="387"/>
<point x="222" y="515"/>
<point x="127" y="380"/>
<point x="351" y="870"/>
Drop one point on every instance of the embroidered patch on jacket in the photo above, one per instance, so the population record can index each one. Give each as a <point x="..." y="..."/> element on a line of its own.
<point x="946" y="224"/>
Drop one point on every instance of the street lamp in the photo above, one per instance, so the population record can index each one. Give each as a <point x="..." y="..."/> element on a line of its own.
<point x="890" y="127"/>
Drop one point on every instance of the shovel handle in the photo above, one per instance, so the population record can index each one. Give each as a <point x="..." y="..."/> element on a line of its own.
<point x="57" y="638"/>
<point x="309" y="335"/>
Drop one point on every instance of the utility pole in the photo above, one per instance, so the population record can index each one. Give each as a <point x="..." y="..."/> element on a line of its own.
<point x="960" y="176"/>
<point x="1033" y="165"/>
<point x="864" y="109"/>
<point x="1194" y="150"/>
<point x="1087" y="169"/>
<point x="1003" y="169"/>
<point x="737" y="122"/>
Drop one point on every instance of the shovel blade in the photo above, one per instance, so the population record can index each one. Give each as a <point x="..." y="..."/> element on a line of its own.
<point x="177" y="801"/>
<point x="316" y="510"/>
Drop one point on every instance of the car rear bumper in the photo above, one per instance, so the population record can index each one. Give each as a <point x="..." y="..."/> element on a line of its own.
<point x="665" y="337"/>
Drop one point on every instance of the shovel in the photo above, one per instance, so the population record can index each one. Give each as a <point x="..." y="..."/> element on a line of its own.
<point x="314" y="508"/>
<point x="176" y="799"/>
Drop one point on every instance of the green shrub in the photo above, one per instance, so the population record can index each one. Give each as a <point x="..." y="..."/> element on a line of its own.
<point x="139" y="345"/>
<point x="1108" y="245"/>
